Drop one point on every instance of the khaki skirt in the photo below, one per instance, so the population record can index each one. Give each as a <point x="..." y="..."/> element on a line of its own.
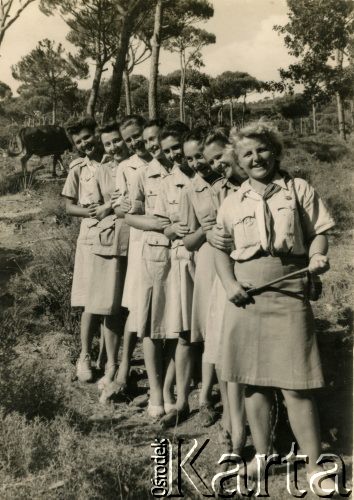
<point x="272" y="341"/>
<point x="83" y="262"/>
<point x="152" y="293"/>
<point x="132" y="278"/>
<point x="204" y="278"/>
<point x="105" y="286"/>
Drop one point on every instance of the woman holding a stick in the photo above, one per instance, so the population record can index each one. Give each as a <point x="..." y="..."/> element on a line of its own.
<point x="278" y="226"/>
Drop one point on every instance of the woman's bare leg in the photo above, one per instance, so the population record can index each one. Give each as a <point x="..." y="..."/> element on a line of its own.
<point x="184" y="364"/>
<point x="235" y="395"/>
<point x="153" y="356"/>
<point x="170" y="371"/>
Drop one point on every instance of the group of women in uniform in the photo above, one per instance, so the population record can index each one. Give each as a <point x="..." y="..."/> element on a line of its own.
<point x="179" y="230"/>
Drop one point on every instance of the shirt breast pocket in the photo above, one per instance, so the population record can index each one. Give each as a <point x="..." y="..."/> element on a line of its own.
<point x="284" y="226"/>
<point x="246" y="232"/>
<point x="173" y="205"/>
<point x="89" y="188"/>
<point x="204" y="207"/>
<point x="151" y="191"/>
<point x="156" y="248"/>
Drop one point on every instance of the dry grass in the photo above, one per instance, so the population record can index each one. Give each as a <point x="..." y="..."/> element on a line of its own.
<point x="48" y="446"/>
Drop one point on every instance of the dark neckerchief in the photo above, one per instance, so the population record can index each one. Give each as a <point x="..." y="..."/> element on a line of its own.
<point x="212" y="177"/>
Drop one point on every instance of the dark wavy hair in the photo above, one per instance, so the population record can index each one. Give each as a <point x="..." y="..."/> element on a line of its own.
<point x="74" y="127"/>
<point x="108" y="127"/>
<point x="132" y="120"/>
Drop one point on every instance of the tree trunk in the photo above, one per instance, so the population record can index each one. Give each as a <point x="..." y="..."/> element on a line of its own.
<point x="128" y="95"/>
<point x="182" y="114"/>
<point x="154" y="67"/>
<point x="352" y="112"/>
<point x="54" y="112"/>
<point x="341" y="116"/>
<point x="221" y="115"/>
<point x="231" y="113"/>
<point x="314" y="119"/>
<point x="339" y="98"/>
<point x="118" y="68"/>
<point x="243" y="110"/>
<point x="92" y="100"/>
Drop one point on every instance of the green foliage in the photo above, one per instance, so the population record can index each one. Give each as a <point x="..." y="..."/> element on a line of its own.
<point x="189" y="43"/>
<point x="318" y="33"/>
<point x="194" y="79"/>
<point x="234" y="84"/>
<point x="47" y="73"/>
<point x="5" y="91"/>
<point x="292" y="106"/>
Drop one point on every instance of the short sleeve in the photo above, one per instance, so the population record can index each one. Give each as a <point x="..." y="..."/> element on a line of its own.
<point x="137" y="194"/>
<point x="187" y="212"/>
<point x="224" y="219"/>
<point x="315" y="215"/>
<point x="161" y="206"/>
<point x="72" y="183"/>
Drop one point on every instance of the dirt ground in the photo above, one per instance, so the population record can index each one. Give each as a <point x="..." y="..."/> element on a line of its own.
<point x="21" y="227"/>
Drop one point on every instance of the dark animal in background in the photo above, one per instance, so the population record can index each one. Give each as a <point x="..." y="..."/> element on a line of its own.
<point x="44" y="140"/>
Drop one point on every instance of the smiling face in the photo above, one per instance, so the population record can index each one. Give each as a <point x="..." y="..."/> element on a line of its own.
<point x="85" y="142"/>
<point x="256" y="158"/>
<point x="172" y="149"/>
<point x="114" y="145"/>
<point x="151" y="141"/>
<point x="133" y="138"/>
<point x="223" y="161"/>
<point x="232" y="169"/>
<point x="193" y="152"/>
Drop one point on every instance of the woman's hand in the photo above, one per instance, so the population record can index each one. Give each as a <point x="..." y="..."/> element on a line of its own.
<point x="160" y="224"/>
<point x="319" y="264"/>
<point x="102" y="211"/>
<point x="237" y="294"/>
<point x="115" y="195"/>
<point x="208" y="223"/>
<point x="176" y="230"/>
<point x="217" y="238"/>
<point x="125" y="204"/>
<point x="92" y="209"/>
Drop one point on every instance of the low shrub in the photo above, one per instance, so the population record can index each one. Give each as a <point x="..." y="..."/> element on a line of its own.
<point x="42" y="291"/>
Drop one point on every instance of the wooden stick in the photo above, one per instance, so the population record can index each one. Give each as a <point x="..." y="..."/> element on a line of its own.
<point x="253" y="291"/>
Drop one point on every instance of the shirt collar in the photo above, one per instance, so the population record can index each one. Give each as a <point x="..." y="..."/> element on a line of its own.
<point x="246" y="186"/>
<point x="106" y="158"/>
<point x="226" y="183"/>
<point x="179" y="178"/>
<point x="199" y="183"/>
<point x="155" y="169"/>
<point x="135" y="162"/>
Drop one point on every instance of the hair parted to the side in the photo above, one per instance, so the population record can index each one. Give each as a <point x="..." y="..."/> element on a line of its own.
<point x="86" y="122"/>
<point x="261" y="130"/>
<point x="132" y="120"/>
<point x="156" y="122"/>
<point x="196" y="134"/>
<point x="108" y="127"/>
<point x="174" y="129"/>
<point x="216" y="134"/>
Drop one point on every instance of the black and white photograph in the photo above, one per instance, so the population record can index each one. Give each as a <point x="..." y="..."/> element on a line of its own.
<point x="176" y="249"/>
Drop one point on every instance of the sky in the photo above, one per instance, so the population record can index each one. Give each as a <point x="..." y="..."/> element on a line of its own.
<point x="245" y="40"/>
